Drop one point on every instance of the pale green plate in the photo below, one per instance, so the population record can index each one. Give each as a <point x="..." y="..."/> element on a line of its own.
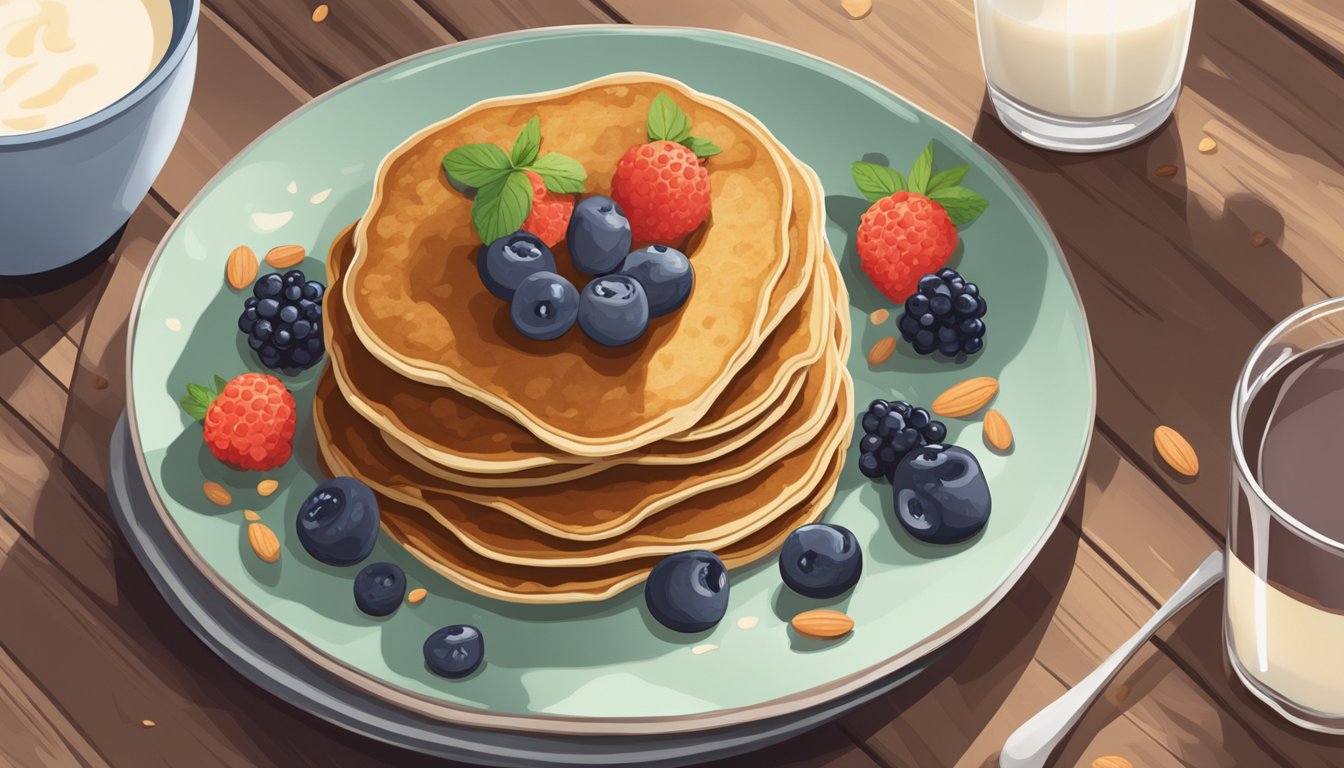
<point x="608" y="667"/>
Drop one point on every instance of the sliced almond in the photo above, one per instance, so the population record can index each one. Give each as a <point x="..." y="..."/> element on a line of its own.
<point x="267" y="487"/>
<point x="147" y="723"/>
<point x="416" y="595"/>
<point x="217" y="493"/>
<point x="967" y="397"/>
<point x="1176" y="451"/>
<point x="822" y="623"/>
<point x="320" y="13"/>
<point x="285" y="256"/>
<point x="997" y="432"/>
<point x="879" y="316"/>
<point x="1165" y="171"/>
<point x="250" y="516"/>
<point x="241" y="268"/>
<point x="881" y="350"/>
<point x="1207" y="145"/>
<point x="857" y="9"/>
<point x="263" y="541"/>
<point x="1111" y="761"/>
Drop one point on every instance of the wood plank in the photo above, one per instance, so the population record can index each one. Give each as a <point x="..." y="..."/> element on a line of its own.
<point x="33" y="730"/>
<point x="467" y="20"/>
<point x="1317" y="21"/>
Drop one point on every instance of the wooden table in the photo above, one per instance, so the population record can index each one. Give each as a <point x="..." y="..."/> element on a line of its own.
<point x="1179" y="275"/>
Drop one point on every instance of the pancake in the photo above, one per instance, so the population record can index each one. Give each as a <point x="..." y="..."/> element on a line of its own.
<point x="430" y="543"/>
<point x="417" y="305"/>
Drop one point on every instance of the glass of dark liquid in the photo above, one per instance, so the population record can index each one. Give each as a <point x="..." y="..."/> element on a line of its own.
<point x="1284" y="617"/>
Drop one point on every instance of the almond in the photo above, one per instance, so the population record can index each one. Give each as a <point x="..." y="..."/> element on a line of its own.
<point x="967" y="397"/>
<point x="250" y="516"/>
<point x="263" y="542"/>
<point x="320" y="13"/>
<point x="241" y="268"/>
<point x="1111" y="761"/>
<point x="1259" y="239"/>
<point x="857" y="9"/>
<point x="416" y="595"/>
<point x="881" y="350"/>
<point x="217" y="494"/>
<point x="1176" y="451"/>
<point x="822" y="623"/>
<point x="267" y="487"/>
<point x="997" y="432"/>
<point x="1207" y="145"/>
<point x="879" y="316"/>
<point x="1166" y="171"/>
<point x="147" y="723"/>
<point x="285" y="256"/>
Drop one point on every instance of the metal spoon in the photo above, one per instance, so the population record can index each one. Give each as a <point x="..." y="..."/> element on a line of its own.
<point x="1031" y="744"/>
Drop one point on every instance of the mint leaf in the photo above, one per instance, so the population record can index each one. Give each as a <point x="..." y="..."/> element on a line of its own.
<point x="528" y="143"/>
<point x="502" y="206"/>
<point x="477" y="165"/>
<point x="963" y="205"/>
<point x="560" y="173"/>
<point x="666" y="120"/>
<point x="701" y="147"/>
<point x="948" y="178"/>
<point x="876" y="181"/>
<point x="921" y="171"/>
<point x="198" y="400"/>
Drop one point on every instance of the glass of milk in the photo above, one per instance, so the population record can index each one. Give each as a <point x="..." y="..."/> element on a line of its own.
<point x="1284" y="617"/>
<point x="1083" y="75"/>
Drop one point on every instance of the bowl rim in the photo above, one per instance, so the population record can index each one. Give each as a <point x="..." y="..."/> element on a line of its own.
<point x="184" y="35"/>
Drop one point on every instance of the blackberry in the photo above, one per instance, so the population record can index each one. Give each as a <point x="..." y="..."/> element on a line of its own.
<point x="946" y="314"/>
<point x="283" y="321"/>
<point x="891" y="429"/>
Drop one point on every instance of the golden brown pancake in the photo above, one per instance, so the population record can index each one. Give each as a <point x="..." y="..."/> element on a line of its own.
<point x="417" y="305"/>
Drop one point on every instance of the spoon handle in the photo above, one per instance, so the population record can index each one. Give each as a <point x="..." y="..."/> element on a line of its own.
<point x="1031" y="744"/>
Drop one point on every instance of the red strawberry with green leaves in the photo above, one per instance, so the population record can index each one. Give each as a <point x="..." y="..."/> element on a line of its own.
<point x="248" y="422"/>
<point x="522" y="189"/>
<point x="911" y="228"/>
<point x="663" y="185"/>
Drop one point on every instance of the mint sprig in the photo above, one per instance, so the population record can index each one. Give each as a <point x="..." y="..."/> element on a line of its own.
<point x="963" y="204"/>
<point x="503" y="192"/>
<point x="199" y="398"/>
<point x="667" y="122"/>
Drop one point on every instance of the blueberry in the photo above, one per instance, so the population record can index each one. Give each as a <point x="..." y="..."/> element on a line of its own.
<point x="820" y="560"/>
<point x="380" y="588"/>
<point x="688" y="591"/>
<point x="599" y="235"/>
<point x="665" y="273"/>
<point x="613" y="310"/>
<point x="506" y="262"/>
<point x="544" y="306"/>
<point x="941" y="494"/>
<point x="338" y="522"/>
<point x="454" y="651"/>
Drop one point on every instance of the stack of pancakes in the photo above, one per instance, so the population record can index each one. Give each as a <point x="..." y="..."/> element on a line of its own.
<point x="562" y="471"/>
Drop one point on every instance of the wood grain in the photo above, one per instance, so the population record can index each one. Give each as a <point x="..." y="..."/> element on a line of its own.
<point x="1317" y="21"/>
<point x="468" y="20"/>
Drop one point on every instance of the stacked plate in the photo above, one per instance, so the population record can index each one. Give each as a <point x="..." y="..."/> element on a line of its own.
<point x="562" y="471"/>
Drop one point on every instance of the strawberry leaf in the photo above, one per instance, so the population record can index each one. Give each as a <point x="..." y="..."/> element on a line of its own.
<point x="560" y="173"/>
<point x="528" y="143"/>
<point x="198" y="400"/>
<point x="477" y="165"/>
<point x="877" y="181"/>
<point x="666" y="120"/>
<point x="948" y="178"/>
<point x="918" y="179"/>
<point x="220" y="384"/>
<point x="963" y="205"/>
<point x="501" y="207"/>
<point x="701" y="147"/>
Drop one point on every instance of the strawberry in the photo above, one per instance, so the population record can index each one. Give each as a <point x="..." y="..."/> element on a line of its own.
<point x="549" y="218"/>
<point x="663" y="185"/>
<point x="248" y="422"/>
<point x="521" y="189"/>
<point x="911" y="228"/>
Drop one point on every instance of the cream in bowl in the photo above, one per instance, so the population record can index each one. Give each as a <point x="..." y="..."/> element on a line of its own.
<point x="62" y="60"/>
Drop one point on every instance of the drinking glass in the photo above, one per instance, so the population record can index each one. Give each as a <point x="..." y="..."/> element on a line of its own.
<point x="1284" y="607"/>
<point x="1083" y="75"/>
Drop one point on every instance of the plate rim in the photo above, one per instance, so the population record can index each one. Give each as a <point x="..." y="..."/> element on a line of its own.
<point x="605" y="726"/>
